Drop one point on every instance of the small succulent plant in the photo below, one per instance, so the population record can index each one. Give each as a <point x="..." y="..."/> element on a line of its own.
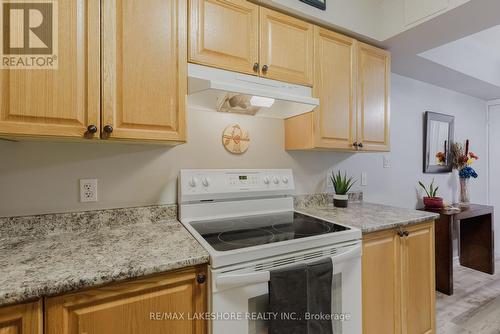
<point x="341" y="183"/>
<point x="432" y="191"/>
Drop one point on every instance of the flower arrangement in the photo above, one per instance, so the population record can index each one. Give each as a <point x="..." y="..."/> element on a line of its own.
<point x="467" y="173"/>
<point x="462" y="159"/>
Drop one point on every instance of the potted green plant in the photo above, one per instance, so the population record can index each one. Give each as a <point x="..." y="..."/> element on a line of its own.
<point x="431" y="201"/>
<point x="342" y="185"/>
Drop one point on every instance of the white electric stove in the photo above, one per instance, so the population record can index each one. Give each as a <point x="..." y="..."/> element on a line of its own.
<point x="246" y="220"/>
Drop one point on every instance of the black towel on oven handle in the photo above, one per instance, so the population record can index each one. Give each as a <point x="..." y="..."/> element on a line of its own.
<point x="319" y="296"/>
<point x="288" y="296"/>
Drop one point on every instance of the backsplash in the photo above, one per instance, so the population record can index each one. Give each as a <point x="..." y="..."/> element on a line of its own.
<point x="323" y="199"/>
<point x="90" y="220"/>
<point x="41" y="225"/>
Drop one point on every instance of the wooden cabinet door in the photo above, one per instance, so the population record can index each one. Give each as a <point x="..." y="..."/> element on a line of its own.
<point x="224" y="34"/>
<point x="142" y="306"/>
<point x="61" y="101"/>
<point x="418" y="280"/>
<point x="335" y="118"/>
<point x="144" y="69"/>
<point x="22" y="319"/>
<point x="381" y="283"/>
<point x="286" y="47"/>
<point x="373" y="98"/>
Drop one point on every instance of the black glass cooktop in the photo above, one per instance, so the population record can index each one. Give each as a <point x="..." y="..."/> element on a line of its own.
<point x="240" y="232"/>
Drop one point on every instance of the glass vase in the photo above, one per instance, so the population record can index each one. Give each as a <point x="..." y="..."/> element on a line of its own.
<point x="464" y="192"/>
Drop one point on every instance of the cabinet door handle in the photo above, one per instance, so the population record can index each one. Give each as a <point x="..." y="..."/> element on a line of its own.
<point x="265" y="68"/>
<point x="256" y="67"/>
<point x="201" y="278"/>
<point x="108" y="129"/>
<point x="92" y="129"/>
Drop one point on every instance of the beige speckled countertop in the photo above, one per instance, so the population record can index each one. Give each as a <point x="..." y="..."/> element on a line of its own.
<point x="52" y="254"/>
<point x="368" y="217"/>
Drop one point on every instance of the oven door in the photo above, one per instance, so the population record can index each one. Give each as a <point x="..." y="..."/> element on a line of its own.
<point x="240" y="293"/>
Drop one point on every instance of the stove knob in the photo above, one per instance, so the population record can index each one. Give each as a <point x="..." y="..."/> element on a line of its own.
<point x="285" y="179"/>
<point x="266" y="180"/>
<point x="205" y="181"/>
<point x="193" y="182"/>
<point x="276" y="180"/>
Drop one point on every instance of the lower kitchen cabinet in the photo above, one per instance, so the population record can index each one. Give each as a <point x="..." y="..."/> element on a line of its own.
<point x="22" y="319"/>
<point x="399" y="281"/>
<point x="138" y="306"/>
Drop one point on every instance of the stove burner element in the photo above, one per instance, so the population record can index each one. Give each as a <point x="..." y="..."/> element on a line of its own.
<point x="246" y="238"/>
<point x="303" y="228"/>
<point x="226" y="234"/>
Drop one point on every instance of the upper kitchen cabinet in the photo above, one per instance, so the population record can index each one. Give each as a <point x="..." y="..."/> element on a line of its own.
<point x="224" y="34"/>
<point x="332" y="125"/>
<point x="51" y="85"/>
<point x="144" y="71"/>
<point x="240" y="36"/>
<point x="373" y="98"/>
<point x="286" y="48"/>
<point x="351" y="80"/>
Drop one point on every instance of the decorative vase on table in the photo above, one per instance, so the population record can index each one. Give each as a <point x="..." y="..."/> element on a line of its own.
<point x="464" y="192"/>
<point x="462" y="160"/>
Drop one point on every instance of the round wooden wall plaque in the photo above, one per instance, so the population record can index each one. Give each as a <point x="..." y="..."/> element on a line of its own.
<point x="235" y="139"/>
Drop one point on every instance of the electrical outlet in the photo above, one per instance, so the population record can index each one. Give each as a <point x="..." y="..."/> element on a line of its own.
<point x="88" y="190"/>
<point x="364" y="179"/>
<point x="387" y="161"/>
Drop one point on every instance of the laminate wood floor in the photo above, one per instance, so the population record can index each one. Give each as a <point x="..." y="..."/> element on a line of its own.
<point x="474" y="308"/>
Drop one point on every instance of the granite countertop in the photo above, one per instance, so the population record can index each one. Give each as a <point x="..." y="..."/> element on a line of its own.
<point x="368" y="217"/>
<point x="52" y="254"/>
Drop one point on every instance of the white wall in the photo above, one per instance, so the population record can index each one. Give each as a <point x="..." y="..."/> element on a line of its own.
<point x="41" y="177"/>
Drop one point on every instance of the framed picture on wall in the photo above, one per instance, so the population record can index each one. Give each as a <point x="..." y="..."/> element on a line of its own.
<point x="321" y="4"/>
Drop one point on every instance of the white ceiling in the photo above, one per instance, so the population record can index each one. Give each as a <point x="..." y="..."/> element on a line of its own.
<point x="477" y="55"/>
<point x="458" y="50"/>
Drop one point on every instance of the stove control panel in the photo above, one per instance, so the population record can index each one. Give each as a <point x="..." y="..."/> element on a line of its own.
<point x="212" y="184"/>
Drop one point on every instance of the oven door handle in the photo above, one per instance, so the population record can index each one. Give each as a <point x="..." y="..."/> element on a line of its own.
<point x="236" y="280"/>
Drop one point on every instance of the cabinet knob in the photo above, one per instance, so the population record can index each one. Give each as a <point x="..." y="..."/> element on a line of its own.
<point x="201" y="278"/>
<point x="92" y="129"/>
<point x="355" y="144"/>
<point x="265" y="68"/>
<point x="256" y="67"/>
<point x="406" y="233"/>
<point x="108" y="129"/>
<point x="401" y="234"/>
<point x="360" y="145"/>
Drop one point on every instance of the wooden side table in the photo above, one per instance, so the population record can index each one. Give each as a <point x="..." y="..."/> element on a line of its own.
<point x="475" y="243"/>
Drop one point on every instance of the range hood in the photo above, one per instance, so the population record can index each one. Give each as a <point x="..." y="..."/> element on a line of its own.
<point x="225" y="91"/>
